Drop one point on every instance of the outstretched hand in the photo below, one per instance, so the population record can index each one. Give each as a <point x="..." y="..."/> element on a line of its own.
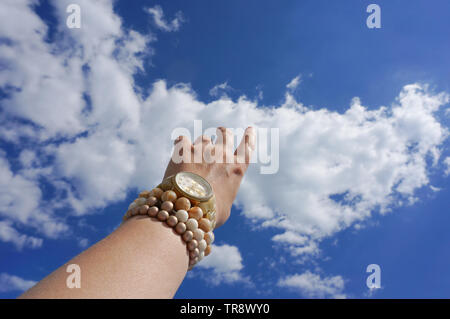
<point x="221" y="165"/>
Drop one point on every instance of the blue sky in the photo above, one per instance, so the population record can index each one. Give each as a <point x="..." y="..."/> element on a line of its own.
<point x="256" y="48"/>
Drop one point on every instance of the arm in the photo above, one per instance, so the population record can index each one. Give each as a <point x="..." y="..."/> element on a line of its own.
<point x="144" y="258"/>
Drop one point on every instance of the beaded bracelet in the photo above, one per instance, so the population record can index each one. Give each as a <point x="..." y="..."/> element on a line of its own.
<point x="187" y="219"/>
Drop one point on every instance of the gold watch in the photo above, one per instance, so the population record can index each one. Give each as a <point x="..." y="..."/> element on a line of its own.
<point x="196" y="189"/>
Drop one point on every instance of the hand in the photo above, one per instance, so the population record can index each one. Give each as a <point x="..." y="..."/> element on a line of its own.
<point x="224" y="175"/>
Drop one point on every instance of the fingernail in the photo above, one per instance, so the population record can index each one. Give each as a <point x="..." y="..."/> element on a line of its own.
<point x="179" y="138"/>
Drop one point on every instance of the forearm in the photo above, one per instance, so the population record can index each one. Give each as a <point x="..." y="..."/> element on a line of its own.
<point x="143" y="258"/>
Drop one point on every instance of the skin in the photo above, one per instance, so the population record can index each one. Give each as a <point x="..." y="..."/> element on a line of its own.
<point x="144" y="258"/>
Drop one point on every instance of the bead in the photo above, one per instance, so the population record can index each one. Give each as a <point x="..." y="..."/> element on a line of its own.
<point x="151" y="201"/>
<point x="207" y="250"/>
<point x="191" y="224"/>
<point x="201" y="255"/>
<point x="202" y="245"/>
<point x="143" y="210"/>
<point x="157" y="192"/>
<point x="198" y="234"/>
<point x="144" y="194"/>
<point x="196" y="213"/>
<point x="153" y="211"/>
<point x="204" y="207"/>
<point x="192" y="244"/>
<point x="180" y="228"/>
<point x="170" y="196"/>
<point x="163" y="215"/>
<point x="172" y="221"/>
<point x="209" y="237"/>
<point x="132" y="205"/>
<point x="134" y="211"/>
<point x="192" y="262"/>
<point x="187" y="236"/>
<point x="167" y="206"/>
<point x="182" y="203"/>
<point x="204" y="224"/>
<point x="182" y="215"/>
<point x="213" y="225"/>
<point x="194" y="253"/>
<point x="140" y="201"/>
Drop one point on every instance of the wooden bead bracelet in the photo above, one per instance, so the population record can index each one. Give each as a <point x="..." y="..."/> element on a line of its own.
<point x="179" y="213"/>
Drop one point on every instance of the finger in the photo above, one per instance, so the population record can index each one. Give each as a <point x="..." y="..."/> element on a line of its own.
<point x="183" y="145"/>
<point x="202" y="146"/>
<point x="225" y="144"/>
<point x="246" y="146"/>
<point x="225" y="137"/>
<point x="203" y="139"/>
<point x="182" y="139"/>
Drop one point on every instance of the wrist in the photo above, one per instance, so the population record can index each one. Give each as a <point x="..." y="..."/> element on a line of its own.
<point x="186" y="203"/>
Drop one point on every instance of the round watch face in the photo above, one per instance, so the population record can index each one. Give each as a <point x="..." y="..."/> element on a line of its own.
<point x="193" y="185"/>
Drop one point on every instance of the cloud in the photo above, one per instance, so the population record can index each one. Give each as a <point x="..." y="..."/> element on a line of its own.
<point x="19" y="197"/>
<point x="295" y="82"/>
<point x="290" y="237"/>
<point x="10" y="234"/>
<point x="20" y="202"/>
<point x="370" y="292"/>
<point x="447" y="164"/>
<point x="313" y="286"/>
<point x="435" y="189"/>
<point x="52" y="102"/>
<point x="220" y="90"/>
<point x="158" y="17"/>
<point x="342" y="167"/>
<point x="13" y="283"/>
<point x="225" y="261"/>
<point x="83" y="242"/>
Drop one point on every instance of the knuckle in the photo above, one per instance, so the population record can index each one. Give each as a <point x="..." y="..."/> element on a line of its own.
<point x="239" y="171"/>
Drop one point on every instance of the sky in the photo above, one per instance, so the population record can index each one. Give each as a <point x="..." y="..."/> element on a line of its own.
<point x="362" y="115"/>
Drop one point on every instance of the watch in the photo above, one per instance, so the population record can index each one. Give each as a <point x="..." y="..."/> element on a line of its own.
<point x="196" y="189"/>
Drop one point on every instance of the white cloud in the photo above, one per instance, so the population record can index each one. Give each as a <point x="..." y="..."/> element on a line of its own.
<point x="83" y="242"/>
<point x="13" y="283"/>
<point x="220" y="90"/>
<point x="295" y="82"/>
<point x="435" y="189"/>
<point x="313" y="286"/>
<point x="9" y="234"/>
<point x="27" y="158"/>
<point x="51" y="98"/>
<point x="339" y="167"/>
<point x="447" y="164"/>
<point x="19" y="197"/>
<point x="20" y="202"/>
<point x="370" y="292"/>
<point x="158" y="17"/>
<point x="225" y="262"/>
<point x="291" y="238"/>
<point x="108" y="158"/>
<point x="45" y="90"/>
